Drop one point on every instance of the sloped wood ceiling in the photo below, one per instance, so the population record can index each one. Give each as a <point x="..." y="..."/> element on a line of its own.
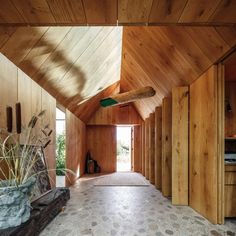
<point x="166" y="57"/>
<point x="113" y="12"/>
<point x="71" y="63"/>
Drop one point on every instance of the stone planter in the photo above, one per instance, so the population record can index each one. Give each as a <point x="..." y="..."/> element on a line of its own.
<point x="15" y="204"/>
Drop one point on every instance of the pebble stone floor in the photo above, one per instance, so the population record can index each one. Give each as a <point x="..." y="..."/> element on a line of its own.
<point x="131" y="211"/>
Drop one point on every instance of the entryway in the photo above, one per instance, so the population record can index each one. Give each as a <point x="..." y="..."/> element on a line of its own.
<point x="124" y="148"/>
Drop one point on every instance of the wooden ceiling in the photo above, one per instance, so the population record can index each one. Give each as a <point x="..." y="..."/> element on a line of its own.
<point x="166" y="57"/>
<point x="113" y="12"/>
<point x="72" y="63"/>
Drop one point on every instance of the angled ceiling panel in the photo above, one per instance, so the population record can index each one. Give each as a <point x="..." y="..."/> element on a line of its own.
<point x="166" y="57"/>
<point x="72" y="63"/>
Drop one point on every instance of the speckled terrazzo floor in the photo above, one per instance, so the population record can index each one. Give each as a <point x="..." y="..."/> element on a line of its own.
<point x="101" y="211"/>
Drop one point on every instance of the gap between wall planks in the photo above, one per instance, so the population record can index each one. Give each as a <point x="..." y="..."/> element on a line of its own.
<point x="166" y="146"/>
<point x="147" y="120"/>
<point x="180" y="131"/>
<point x="152" y="148"/>
<point x="158" y="147"/>
<point x="221" y="142"/>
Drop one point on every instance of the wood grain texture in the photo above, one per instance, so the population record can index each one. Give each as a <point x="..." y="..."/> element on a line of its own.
<point x="103" y="12"/>
<point x="166" y="11"/>
<point x="152" y="148"/>
<point x="137" y="148"/>
<point x="133" y="11"/>
<point x="180" y="139"/>
<point x="203" y="145"/>
<point x="230" y="117"/>
<point x="143" y="148"/>
<point x="158" y="147"/>
<point x="65" y="61"/>
<point x="166" y="147"/>
<point x="122" y="12"/>
<point x="176" y="57"/>
<point x="147" y="148"/>
<point x="123" y="114"/>
<point x="75" y="147"/>
<point x="101" y="142"/>
<point x="230" y="201"/>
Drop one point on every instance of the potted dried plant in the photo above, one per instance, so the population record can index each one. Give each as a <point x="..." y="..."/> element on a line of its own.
<point x="18" y="150"/>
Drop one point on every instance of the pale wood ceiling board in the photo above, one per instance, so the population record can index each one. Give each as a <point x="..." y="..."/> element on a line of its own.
<point x="198" y="11"/>
<point x="166" y="11"/>
<point x="134" y="11"/>
<point x="101" y="12"/>
<point x="92" y="62"/>
<point x="225" y="12"/>
<point x="65" y="11"/>
<point x="59" y="61"/>
<point x="36" y="11"/>
<point x="21" y="42"/>
<point x="9" y="13"/>
<point x="42" y="50"/>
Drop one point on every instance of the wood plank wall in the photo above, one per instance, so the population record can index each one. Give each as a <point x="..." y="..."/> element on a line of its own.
<point x="137" y="148"/>
<point x="101" y="142"/>
<point x="123" y="114"/>
<point x="17" y="86"/>
<point x="147" y="148"/>
<point x="143" y="148"/>
<point x="158" y="147"/>
<point x="230" y="117"/>
<point x="180" y="131"/>
<point x="166" y="146"/>
<point x="75" y="147"/>
<point x="203" y="164"/>
<point x="152" y="148"/>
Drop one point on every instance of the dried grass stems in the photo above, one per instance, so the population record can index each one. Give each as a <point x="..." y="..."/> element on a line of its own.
<point x="19" y="151"/>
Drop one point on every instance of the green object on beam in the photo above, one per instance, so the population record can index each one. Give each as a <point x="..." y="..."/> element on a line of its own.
<point x="108" y="102"/>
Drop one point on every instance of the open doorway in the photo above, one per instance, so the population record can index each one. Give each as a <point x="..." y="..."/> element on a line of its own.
<point x="124" y="148"/>
<point x="60" y="148"/>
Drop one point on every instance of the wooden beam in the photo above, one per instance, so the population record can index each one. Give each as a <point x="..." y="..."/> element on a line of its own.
<point x="158" y="146"/>
<point x="128" y="96"/>
<point x="180" y="103"/>
<point x="143" y="148"/>
<point x="152" y="148"/>
<point x="166" y="146"/>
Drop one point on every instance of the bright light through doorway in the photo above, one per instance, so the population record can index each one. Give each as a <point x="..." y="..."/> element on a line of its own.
<point x="123" y="148"/>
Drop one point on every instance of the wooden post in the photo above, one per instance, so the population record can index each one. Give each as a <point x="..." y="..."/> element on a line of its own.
<point x="152" y="148"/>
<point x="166" y="146"/>
<point x="143" y="149"/>
<point x="158" y="146"/>
<point x="147" y="148"/>
<point x="180" y="103"/>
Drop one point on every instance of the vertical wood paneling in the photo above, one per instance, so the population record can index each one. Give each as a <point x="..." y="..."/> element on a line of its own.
<point x="166" y="146"/>
<point x="180" y="104"/>
<point x="49" y="104"/>
<point x="203" y="145"/>
<point x="147" y="148"/>
<point x="143" y="148"/>
<point x="101" y="142"/>
<point x="137" y="149"/>
<point x="75" y="147"/>
<point x="152" y="148"/>
<point x="158" y="147"/>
